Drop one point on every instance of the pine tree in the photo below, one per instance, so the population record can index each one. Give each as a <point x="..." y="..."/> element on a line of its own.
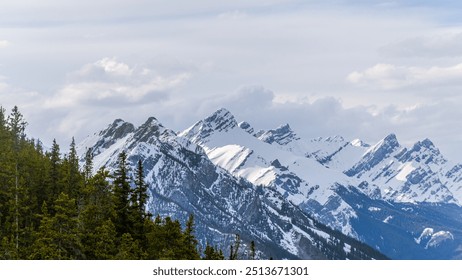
<point x="102" y="242"/>
<point x="138" y="200"/>
<point x="66" y="226"/>
<point x="129" y="249"/>
<point x="45" y="247"/>
<point x="97" y="218"/>
<point x="57" y="237"/>
<point x="54" y="173"/>
<point x="189" y="241"/>
<point x="75" y="178"/>
<point x="212" y="253"/>
<point x="17" y="124"/>
<point x="122" y="193"/>
<point x="234" y="248"/>
<point x="88" y="167"/>
<point x="252" y="250"/>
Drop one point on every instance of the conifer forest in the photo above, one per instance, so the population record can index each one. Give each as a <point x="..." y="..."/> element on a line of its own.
<point x="52" y="208"/>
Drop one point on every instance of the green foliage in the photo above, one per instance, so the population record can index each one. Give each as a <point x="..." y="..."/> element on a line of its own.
<point x="50" y="209"/>
<point x="122" y="191"/>
<point x="212" y="253"/>
<point x="252" y="250"/>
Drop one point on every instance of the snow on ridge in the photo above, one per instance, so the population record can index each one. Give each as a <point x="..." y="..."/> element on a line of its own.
<point x="432" y="238"/>
<point x="406" y="169"/>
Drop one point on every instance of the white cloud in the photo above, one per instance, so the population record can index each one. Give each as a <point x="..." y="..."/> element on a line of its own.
<point x="439" y="43"/>
<point x="112" y="66"/>
<point x="110" y="83"/>
<point x="151" y="49"/>
<point x="4" y="43"/>
<point x="392" y="77"/>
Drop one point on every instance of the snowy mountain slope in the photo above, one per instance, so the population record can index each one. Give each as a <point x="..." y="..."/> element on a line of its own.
<point x="333" y="152"/>
<point x="335" y="180"/>
<point x="183" y="180"/>
<point x="416" y="174"/>
<point x="302" y="180"/>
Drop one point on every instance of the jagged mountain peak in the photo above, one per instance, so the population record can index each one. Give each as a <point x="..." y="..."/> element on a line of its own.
<point x="426" y="145"/>
<point x="246" y="127"/>
<point x="222" y="119"/>
<point x="114" y="132"/>
<point x="118" y="129"/>
<point x="387" y="144"/>
<point x="374" y="155"/>
<point x="423" y="151"/>
<point x="151" y="130"/>
<point x="183" y="180"/>
<point x="152" y="121"/>
<point x="391" y="139"/>
<point x="359" y="143"/>
<point x="223" y="172"/>
<point x="281" y="135"/>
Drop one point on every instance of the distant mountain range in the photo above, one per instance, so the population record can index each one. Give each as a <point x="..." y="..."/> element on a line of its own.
<point x="322" y="198"/>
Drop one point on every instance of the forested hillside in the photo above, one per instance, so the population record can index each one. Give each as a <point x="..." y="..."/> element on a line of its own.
<point x="50" y="209"/>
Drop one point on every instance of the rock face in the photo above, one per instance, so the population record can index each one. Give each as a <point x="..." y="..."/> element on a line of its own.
<point x="286" y="193"/>
<point x="182" y="180"/>
<point x="384" y="194"/>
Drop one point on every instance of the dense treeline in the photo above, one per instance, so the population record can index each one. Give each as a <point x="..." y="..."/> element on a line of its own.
<point x="51" y="209"/>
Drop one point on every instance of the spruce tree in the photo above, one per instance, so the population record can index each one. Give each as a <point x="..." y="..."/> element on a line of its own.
<point x="138" y="200"/>
<point x="88" y="167"/>
<point x="234" y="248"/>
<point x="252" y="250"/>
<point x="45" y="247"/>
<point x="75" y="179"/>
<point x="97" y="229"/>
<point x="122" y="193"/>
<point x="65" y="224"/>
<point x="17" y="126"/>
<point x="189" y="246"/>
<point x="54" y="173"/>
<point x="212" y="253"/>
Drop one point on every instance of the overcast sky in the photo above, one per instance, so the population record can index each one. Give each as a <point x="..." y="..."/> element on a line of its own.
<point x="360" y="69"/>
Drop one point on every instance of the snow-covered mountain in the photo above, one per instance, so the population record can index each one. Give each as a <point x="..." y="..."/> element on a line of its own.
<point x="386" y="195"/>
<point x="183" y="179"/>
<point x="302" y="180"/>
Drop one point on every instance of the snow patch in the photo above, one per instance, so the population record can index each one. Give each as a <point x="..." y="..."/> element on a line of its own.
<point x="432" y="238"/>
<point x="405" y="170"/>
<point x="387" y="219"/>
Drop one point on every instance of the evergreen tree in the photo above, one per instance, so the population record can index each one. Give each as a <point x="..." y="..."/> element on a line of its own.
<point x="252" y="250"/>
<point x="49" y="209"/>
<point x="129" y="249"/>
<point x="57" y="237"/>
<point x="189" y="241"/>
<point x="45" y="247"/>
<point x="212" y="253"/>
<point x="234" y="248"/>
<point x="97" y="218"/>
<point x="75" y="177"/>
<point x="2" y="117"/>
<point x="17" y="124"/>
<point x="88" y="167"/>
<point x="66" y="228"/>
<point x="54" y="173"/>
<point x="102" y="242"/>
<point x="122" y="193"/>
<point x="138" y="201"/>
